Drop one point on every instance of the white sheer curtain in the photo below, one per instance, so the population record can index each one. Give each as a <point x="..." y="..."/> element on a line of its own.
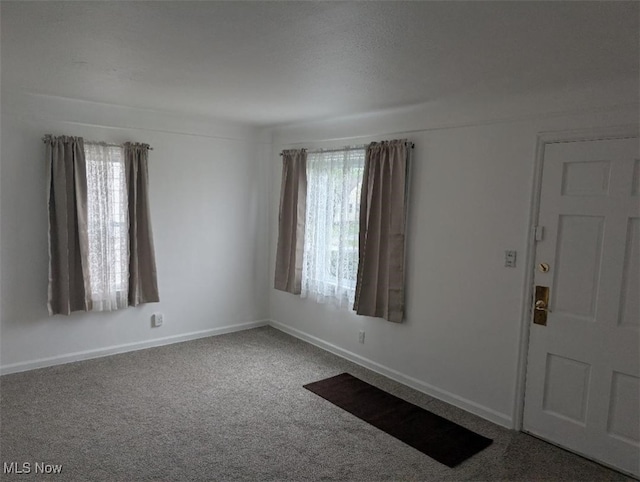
<point x="330" y="263"/>
<point x="108" y="227"/>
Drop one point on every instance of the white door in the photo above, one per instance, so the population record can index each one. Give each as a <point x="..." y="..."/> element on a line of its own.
<point x="583" y="367"/>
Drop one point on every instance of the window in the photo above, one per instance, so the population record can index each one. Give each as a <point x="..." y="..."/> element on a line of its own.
<point x="107" y="226"/>
<point x="330" y="261"/>
<point x="101" y="254"/>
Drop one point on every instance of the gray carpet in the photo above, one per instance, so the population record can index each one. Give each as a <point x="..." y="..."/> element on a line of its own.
<point x="232" y="407"/>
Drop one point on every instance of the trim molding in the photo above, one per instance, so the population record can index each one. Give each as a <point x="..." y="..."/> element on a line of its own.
<point x="86" y="113"/>
<point x="126" y="347"/>
<point x="500" y="119"/>
<point x="448" y="397"/>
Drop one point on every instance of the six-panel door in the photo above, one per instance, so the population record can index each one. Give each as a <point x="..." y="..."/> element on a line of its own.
<point x="583" y="368"/>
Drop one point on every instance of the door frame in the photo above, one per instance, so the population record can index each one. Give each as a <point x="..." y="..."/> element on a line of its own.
<point x="543" y="139"/>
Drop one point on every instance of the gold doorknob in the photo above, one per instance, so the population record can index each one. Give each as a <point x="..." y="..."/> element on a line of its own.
<point x="542" y="306"/>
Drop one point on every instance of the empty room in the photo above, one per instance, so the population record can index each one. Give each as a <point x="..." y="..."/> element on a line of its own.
<point x="309" y="240"/>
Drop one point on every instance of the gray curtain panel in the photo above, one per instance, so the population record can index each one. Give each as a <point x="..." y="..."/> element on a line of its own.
<point x="380" y="281"/>
<point x="291" y="221"/>
<point x="143" y="283"/>
<point x="68" y="238"/>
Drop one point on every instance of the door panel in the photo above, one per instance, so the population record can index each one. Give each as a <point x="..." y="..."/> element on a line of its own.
<point x="583" y="367"/>
<point x="562" y="399"/>
<point x="623" y="418"/>
<point x="578" y="263"/>
<point x="586" y="178"/>
<point x="629" y="306"/>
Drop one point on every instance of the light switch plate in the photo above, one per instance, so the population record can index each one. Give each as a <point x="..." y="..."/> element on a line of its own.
<point x="510" y="259"/>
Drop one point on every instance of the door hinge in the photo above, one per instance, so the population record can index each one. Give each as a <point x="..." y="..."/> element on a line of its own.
<point x="539" y="233"/>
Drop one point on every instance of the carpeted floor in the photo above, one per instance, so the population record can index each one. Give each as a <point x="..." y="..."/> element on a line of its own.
<point x="232" y="407"/>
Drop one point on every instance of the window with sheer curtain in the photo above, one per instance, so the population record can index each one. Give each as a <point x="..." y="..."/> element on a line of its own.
<point x="107" y="226"/>
<point x="330" y="260"/>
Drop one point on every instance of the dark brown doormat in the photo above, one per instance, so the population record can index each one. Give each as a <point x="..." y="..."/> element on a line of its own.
<point x="440" y="439"/>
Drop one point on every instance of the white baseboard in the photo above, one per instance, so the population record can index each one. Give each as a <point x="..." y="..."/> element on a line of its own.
<point x="460" y="402"/>
<point x="448" y="397"/>
<point x="139" y="345"/>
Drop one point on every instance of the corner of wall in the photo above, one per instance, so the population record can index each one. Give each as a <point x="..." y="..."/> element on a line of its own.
<point x="423" y="387"/>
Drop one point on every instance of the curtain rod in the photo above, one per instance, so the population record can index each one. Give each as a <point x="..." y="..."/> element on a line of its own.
<point x="351" y="148"/>
<point x="44" y="139"/>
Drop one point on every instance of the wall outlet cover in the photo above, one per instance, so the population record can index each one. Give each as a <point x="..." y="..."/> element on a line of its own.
<point x="157" y="319"/>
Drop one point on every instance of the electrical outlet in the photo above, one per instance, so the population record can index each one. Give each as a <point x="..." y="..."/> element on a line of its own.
<point x="361" y="337"/>
<point x="157" y="319"/>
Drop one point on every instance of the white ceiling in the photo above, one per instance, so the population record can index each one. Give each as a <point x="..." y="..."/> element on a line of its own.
<point x="279" y="62"/>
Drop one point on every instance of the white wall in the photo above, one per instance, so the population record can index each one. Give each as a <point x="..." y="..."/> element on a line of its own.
<point x="208" y="192"/>
<point x="214" y="196"/>
<point x="471" y="185"/>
